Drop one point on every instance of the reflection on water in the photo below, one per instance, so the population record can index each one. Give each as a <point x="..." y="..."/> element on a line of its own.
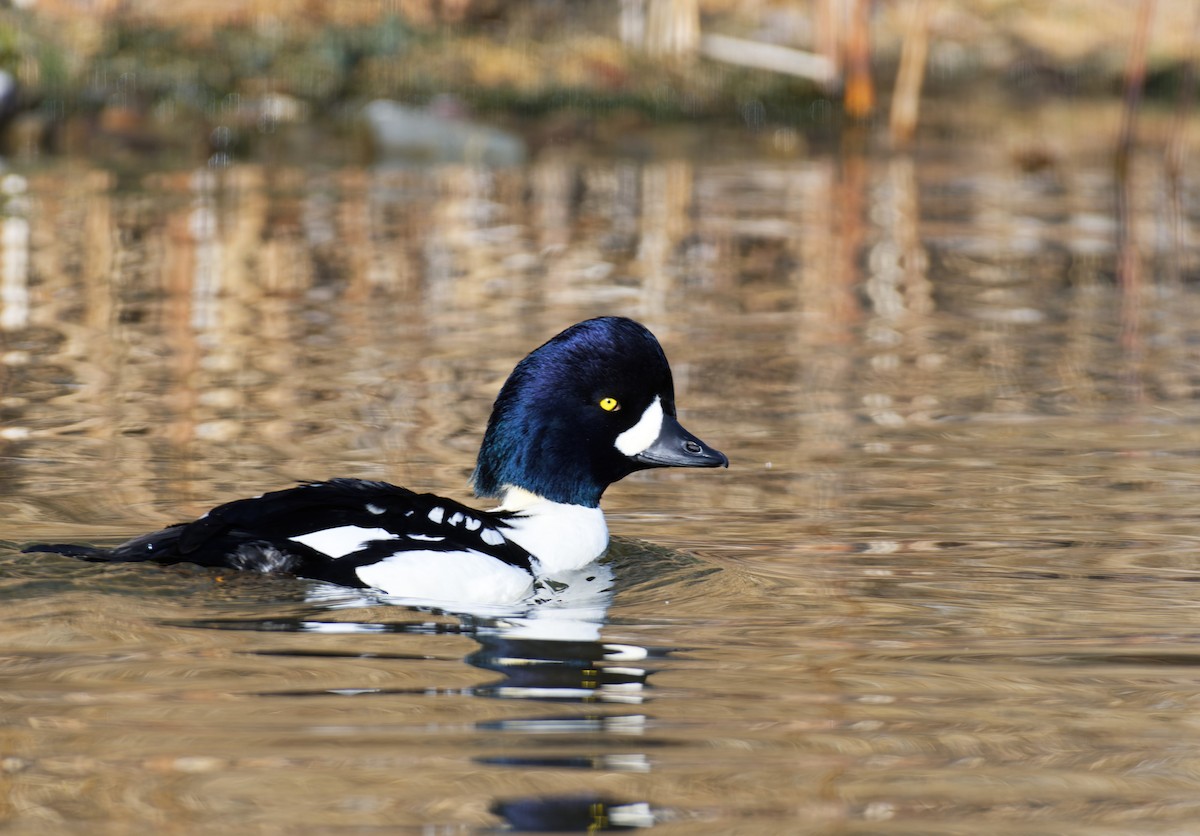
<point x="948" y="582"/>
<point x="540" y="654"/>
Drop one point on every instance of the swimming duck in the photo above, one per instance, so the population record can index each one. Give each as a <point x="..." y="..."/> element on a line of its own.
<point x="592" y="405"/>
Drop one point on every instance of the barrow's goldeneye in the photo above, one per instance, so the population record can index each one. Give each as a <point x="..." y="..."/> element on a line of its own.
<point x="587" y="408"/>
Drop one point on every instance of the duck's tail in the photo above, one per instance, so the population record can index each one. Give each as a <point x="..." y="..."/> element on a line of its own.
<point x="158" y="546"/>
<point x="72" y="550"/>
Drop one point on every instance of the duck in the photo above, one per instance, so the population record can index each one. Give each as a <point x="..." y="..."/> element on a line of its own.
<point x="590" y="406"/>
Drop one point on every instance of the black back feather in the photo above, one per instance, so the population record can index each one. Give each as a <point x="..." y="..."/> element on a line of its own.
<point x="257" y="533"/>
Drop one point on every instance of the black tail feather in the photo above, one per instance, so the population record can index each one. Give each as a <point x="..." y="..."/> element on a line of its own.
<point x="71" y="550"/>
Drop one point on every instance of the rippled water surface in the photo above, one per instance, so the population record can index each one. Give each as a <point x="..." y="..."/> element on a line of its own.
<point x="948" y="585"/>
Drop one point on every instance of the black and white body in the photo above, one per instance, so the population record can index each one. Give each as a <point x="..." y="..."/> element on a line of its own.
<point x="587" y="408"/>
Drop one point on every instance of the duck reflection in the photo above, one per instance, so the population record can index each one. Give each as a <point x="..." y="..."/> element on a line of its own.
<point x="573" y="814"/>
<point x="548" y="649"/>
<point x="553" y="650"/>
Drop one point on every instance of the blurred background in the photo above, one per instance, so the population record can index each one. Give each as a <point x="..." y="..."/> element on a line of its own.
<point x="926" y="270"/>
<point x="182" y="78"/>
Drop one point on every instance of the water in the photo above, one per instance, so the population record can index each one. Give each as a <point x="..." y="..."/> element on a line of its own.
<point x="948" y="584"/>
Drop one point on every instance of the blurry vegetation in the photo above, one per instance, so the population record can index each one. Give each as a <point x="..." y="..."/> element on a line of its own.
<point x="136" y="71"/>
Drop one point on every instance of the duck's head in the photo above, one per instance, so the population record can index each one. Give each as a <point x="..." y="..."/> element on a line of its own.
<point x="589" y="407"/>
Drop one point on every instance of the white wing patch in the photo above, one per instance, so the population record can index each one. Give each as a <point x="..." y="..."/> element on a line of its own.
<point x="642" y="434"/>
<point x="343" y="540"/>
<point x="347" y="539"/>
<point x="458" y="518"/>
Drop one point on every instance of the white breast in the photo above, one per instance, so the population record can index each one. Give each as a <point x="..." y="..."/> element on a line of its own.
<point x="562" y="537"/>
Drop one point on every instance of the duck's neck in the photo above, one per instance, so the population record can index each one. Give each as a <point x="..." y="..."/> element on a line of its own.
<point x="562" y="537"/>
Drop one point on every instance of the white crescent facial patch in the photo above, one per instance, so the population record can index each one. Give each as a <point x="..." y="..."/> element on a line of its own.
<point x="642" y="434"/>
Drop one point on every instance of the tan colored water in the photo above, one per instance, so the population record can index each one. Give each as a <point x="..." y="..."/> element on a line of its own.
<point x="947" y="586"/>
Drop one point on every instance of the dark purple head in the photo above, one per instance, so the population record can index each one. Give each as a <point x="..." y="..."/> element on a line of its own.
<point x="585" y="409"/>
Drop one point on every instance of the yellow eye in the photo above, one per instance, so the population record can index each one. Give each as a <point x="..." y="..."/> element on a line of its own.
<point x="609" y="404"/>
